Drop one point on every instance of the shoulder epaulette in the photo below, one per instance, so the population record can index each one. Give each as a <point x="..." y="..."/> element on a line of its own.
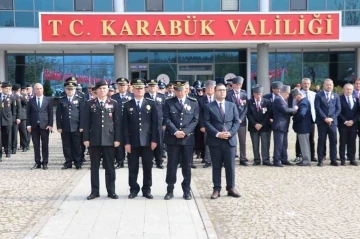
<point x="63" y="96"/>
<point x="243" y="90"/>
<point x="149" y="99"/>
<point x="190" y="98"/>
<point x="113" y="100"/>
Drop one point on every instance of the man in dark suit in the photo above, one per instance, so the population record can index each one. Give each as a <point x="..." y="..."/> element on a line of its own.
<point x="16" y="117"/>
<point x="121" y="97"/>
<point x="280" y="126"/>
<point x="328" y="108"/>
<point x="159" y="100"/>
<point x="258" y="114"/>
<point x="303" y="126"/>
<point x="39" y="121"/>
<point x="69" y="112"/>
<point x="348" y="124"/>
<point x="22" y="126"/>
<point x="101" y="135"/>
<point x="89" y="95"/>
<point x="30" y="94"/>
<point x="181" y="115"/>
<point x="140" y="129"/>
<point x="239" y="97"/>
<point x="221" y="119"/>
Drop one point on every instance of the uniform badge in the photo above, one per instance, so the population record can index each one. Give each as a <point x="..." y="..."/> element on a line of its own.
<point x="75" y="102"/>
<point x="264" y="110"/>
<point x="159" y="100"/>
<point x="110" y="115"/>
<point x="332" y="97"/>
<point x="148" y="107"/>
<point x="2" y="105"/>
<point x="131" y="109"/>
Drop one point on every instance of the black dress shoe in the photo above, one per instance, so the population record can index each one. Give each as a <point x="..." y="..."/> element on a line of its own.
<point x="334" y="163"/>
<point x="93" y="196"/>
<point x="160" y="166"/>
<point x="113" y="196"/>
<point x="13" y="151"/>
<point x="343" y="163"/>
<point x="36" y="166"/>
<point x="256" y="163"/>
<point x="320" y="164"/>
<point x="7" y="155"/>
<point x="78" y="167"/>
<point x="27" y="148"/>
<point x="187" y="196"/>
<point x="353" y="163"/>
<point x="119" y="166"/>
<point x="45" y="167"/>
<point x="215" y="195"/>
<point x="164" y="156"/>
<point x="132" y="195"/>
<point x="148" y="195"/>
<point x="243" y="163"/>
<point x="267" y="163"/>
<point x="278" y="165"/>
<point x="207" y="165"/>
<point x="66" y="167"/>
<point x="193" y="166"/>
<point x="24" y="150"/>
<point x="303" y="164"/>
<point x="169" y="195"/>
<point x="313" y="160"/>
<point x="287" y="163"/>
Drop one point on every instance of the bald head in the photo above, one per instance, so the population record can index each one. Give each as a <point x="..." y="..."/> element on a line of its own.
<point x="39" y="90"/>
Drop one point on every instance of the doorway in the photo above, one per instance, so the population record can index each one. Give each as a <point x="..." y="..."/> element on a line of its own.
<point x="139" y="74"/>
<point x="194" y="72"/>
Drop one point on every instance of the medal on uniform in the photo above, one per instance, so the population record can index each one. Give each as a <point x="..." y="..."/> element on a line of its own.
<point x="75" y="102"/>
<point x="148" y="107"/>
<point x="189" y="107"/>
<point x="131" y="109"/>
<point x="264" y="110"/>
<point x="2" y="105"/>
<point x="110" y="115"/>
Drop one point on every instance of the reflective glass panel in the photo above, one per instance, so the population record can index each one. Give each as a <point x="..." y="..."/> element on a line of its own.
<point x="223" y="69"/>
<point x="11" y="73"/>
<point x="52" y="75"/>
<point x="230" y="56"/>
<point x="154" y="5"/>
<point x="10" y="59"/>
<point x="49" y="61"/>
<point x="193" y="67"/>
<point x="135" y="6"/>
<point x="229" y="5"/>
<point x="103" y="72"/>
<point x="335" y="4"/>
<point x="298" y="5"/>
<point x="342" y="73"/>
<point x="24" y="5"/>
<point x="162" y="57"/>
<point x="288" y="68"/>
<point x="316" y="56"/>
<point x="6" y="5"/>
<point x="103" y="5"/>
<point x="138" y="56"/>
<point x="102" y="59"/>
<point x="157" y="69"/>
<point x="192" y="5"/>
<point x="83" y="5"/>
<point x="317" y="4"/>
<point x="280" y="5"/>
<point x="249" y="6"/>
<point x="44" y="5"/>
<point x="77" y="59"/>
<point x="342" y="56"/>
<point x="196" y="56"/>
<point x="83" y="72"/>
<point x="36" y="19"/>
<point x="6" y="19"/>
<point x="64" y="5"/>
<point x="352" y="4"/>
<point x="24" y="19"/>
<point x="211" y="6"/>
<point x="351" y="18"/>
<point x="317" y="72"/>
<point x="172" y="6"/>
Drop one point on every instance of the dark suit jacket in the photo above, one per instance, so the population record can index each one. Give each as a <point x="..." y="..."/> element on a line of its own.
<point x="325" y="109"/>
<point x="11" y="110"/>
<point x="241" y="106"/>
<point x="140" y="128"/>
<point x="68" y="115"/>
<point x="179" y="118"/>
<point x="203" y="100"/>
<point x="22" y="106"/>
<point x="303" y="119"/>
<point x="121" y="102"/>
<point x="159" y="103"/>
<point x="347" y="114"/>
<point x="282" y="114"/>
<point x="214" y="122"/>
<point x="259" y="117"/>
<point x="43" y="116"/>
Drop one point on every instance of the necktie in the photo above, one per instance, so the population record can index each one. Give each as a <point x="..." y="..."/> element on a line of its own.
<point x="138" y="105"/>
<point x="38" y="103"/>
<point x="327" y="96"/>
<point x="348" y="101"/>
<point x="258" y="106"/>
<point x="69" y="99"/>
<point x="306" y="94"/>
<point x="238" y="97"/>
<point x="152" y="96"/>
<point x="222" y="111"/>
<point x="121" y="96"/>
<point x="180" y="101"/>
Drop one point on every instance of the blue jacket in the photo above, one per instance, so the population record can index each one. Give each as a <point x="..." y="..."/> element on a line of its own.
<point x="281" y="114"/>
<point x="327" y="109"/>
<point x="347" y="114"/>
<point x="303" y="118"/>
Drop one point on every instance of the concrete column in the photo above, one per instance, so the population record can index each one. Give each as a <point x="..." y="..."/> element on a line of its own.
<point x="121" y="61"/>
<point x="262" y="71"/>
<point x="264" y="5"/>
<point x="119" y="5"/>
<point x="248" y="72"/>
<point x="358" y="63"/>
<point x="3" y="67"/>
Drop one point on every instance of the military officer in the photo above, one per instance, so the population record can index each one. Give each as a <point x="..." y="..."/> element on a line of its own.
<point x="15" y="126"/>
<point x="121" y="97"/>
<point x="181" y="115"/>
<point x="239" y="97"/>
<point x="68" y="116"/>
<point x="140" y="130"/>
<point x="101" y="135"/>
<point x="10" y="114"/>
<point x="22" y="126"/>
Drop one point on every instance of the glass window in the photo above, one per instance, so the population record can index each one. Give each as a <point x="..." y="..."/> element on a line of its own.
<point x="10" y="59"/>
<point x="44" y="5"/>
<point x="249" y="6"/>
<point x="24" y="5"/>
<point x="24" y="19"/>
<point x="280" y="5"/>
<point x="11" y="73"/>
<point x="342" y="73"/>
<point x="6" y="5"/>
<point x="135" y="6"/>
<point x="351" y="18"/>
<point x="154" y="5"/>
<point x="102" y="59"/>
<point x="352" y="4"/>
<point x="316" y="4"/>
<point x="162" y="57"/>
<point x="83" y="5"/>
<point x="298" y="5"/>
<point x="157" y="69"/>
<point x="64" y="5"/>
<point x="172" y="6"/>
<point x="227" y="56"/>
<point x="77" y="59"/>
<point x="53" y="75"/>
<point x="138" y="57"/>
<point x="49" y="61"/>
<point x="196" y="57"/>
<point x="103" y="5"/>
<point x="222" y="69"/>
<point x="342" y="56"/>
<point x="6" y="19"/>
<point x="316" y="71"/>
<point x="229" y="5"/>
<point x="211" y="6"/>
<point x="192" y="5"/>
<point x="335" y="4"/>
<point x="288" y="68"/>
<point x="316" y="56"/>
<point x="103" y="72"/>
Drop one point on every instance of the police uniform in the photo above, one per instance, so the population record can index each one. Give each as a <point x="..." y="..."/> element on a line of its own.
<point x="22" y="126"/>
<point x="180" y="115"/>
<point x="15" y="126"/>
<point x="162" y="85"/>
<point x="159" y="100"/>
<point x="69" y="112"/>
<point x="10" y="114"/>
<point x="121" y="99"/>
<point x="101" y="130"/>
<point x="140" y="130"/>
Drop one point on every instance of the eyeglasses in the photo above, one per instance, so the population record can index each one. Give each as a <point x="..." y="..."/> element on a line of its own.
<point x="221" y="90"/>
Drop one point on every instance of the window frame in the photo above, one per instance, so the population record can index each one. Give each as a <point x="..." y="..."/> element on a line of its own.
<point x="306" y="5"/>
<point x="9" y="9"/>
<point x="147" y="10"/>
<point x="92" y="7"/>
<point x="238" y="7"/>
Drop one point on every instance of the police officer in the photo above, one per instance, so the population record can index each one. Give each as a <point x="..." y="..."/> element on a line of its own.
<point x="159" y="103"/>
<point x="121" y="97"/>
<point x="101" y="135"/>
<point x="140" y="129"/>
<point x="181" y="115"/>
<point x="15" y="127"/>
<point x="22" y="126"/>
<point x="10" y="114"/>
<point x="161" y="87"/>
<point x="69" y="112"/>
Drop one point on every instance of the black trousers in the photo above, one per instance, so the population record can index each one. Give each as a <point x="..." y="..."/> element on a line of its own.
<point x="146" y="155"/>
<point x="6" y="138"/>
<point x="280" y="146"/>
<point x="312" y="144"/>
<point x="175" y="154"/>
<point x="107" y="154"/>
<point x="158" y="152"/>
<point x="223" y="154"/>
<point x="323" y="131"/>
<point x="120" y="154"/>
<point x="23" y="134"/>
<point x="348" y="141"/>
<point x="71" y="142"/>
<point x="43" y="136"/>
<point x="83" y="148"/>
<point x="14" y="136"/>
<point x="199" y="142"/>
